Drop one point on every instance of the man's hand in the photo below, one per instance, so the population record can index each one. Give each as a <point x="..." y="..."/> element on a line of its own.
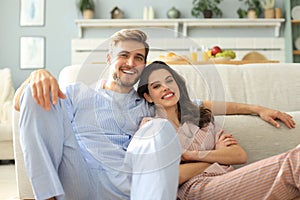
<point x="270" y="115"/>
<point x="42" y="84"/>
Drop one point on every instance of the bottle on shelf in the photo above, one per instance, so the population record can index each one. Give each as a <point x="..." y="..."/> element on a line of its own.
<point x="151" y="14"/>
<point x="145" y="13"/>
<point x="148" y="12"/>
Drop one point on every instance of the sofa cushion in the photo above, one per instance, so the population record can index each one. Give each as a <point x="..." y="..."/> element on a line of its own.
<point x="259" y="84"/>
<point x="259" y="138"/>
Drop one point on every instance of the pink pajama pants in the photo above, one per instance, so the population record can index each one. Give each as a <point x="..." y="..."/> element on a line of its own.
<point x="277" y="177"/>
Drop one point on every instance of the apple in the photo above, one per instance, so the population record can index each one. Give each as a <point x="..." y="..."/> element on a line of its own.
<point x="215" y="50"/>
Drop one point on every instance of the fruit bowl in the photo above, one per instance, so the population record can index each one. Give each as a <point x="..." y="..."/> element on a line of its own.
<point x="217" y="54"/>
<point x="220" y="58"/>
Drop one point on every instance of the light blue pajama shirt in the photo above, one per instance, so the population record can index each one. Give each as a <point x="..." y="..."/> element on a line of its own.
<point x="103" y="124"/>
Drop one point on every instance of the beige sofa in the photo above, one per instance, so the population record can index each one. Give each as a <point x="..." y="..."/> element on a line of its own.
<point x="272" y="85"/>
<point x="6" y="96"/>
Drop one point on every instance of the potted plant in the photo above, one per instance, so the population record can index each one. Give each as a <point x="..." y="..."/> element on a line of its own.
<point x="86" y="8"/>
<point x="253" y="11"/>
<point x="207" y="8"/>
<point x="268" y="6"/>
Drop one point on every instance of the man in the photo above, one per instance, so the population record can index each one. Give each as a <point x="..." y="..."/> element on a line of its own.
<point x="88" y="147"/>
<point x="92" y="116"/>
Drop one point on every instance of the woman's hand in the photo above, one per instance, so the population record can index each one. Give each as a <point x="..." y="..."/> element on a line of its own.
<point x="225" y="140"/>
<point x="145" y="120"/>
<point x="227" y="151"/>
<point x="270" y="115"/>
<point x="190" y="155"/>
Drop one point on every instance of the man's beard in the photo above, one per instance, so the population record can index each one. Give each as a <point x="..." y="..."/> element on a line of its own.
<point x="123" y="83"/>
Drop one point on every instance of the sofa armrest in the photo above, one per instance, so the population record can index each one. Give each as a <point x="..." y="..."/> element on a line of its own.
<point x="6" y="122"/>
<point x="6" y="116"/>
<point x="8" y="109"/>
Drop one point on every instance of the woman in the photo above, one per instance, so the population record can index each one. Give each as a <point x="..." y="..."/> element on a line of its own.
<point x="208" y="153"/>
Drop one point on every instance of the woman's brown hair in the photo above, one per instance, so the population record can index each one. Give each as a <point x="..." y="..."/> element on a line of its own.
<point x="188" y="111"/>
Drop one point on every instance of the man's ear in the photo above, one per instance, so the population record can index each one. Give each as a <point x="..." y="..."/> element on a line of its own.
<point x="148" y="98"/>
<point x="108" y="59"/>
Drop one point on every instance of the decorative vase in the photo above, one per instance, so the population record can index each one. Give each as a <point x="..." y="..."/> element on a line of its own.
<point x="251" y="14"/>
<point x="278" y="13"/>
<point x="88" y="14"/>
<point x="207" y="14"/>
<point x="269" y="13"/>
<point x="173" y="13"/>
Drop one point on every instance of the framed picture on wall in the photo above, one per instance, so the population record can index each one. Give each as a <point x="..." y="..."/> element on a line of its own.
<point x="32" y="52"/>
<point x="32" y="12"/>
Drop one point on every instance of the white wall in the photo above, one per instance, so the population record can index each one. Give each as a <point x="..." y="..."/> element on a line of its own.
<point x="60" y="28"/>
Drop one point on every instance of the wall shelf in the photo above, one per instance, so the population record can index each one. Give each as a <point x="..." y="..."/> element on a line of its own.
<point x="126" y="23"/>
<point x="175" y="23"/>
<point x="295" y="21"/>
<point x="231" y="23"/>
<point x="296" y="52"/>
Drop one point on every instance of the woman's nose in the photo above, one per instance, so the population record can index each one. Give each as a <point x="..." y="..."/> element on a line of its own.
<point x="165" y="87"/>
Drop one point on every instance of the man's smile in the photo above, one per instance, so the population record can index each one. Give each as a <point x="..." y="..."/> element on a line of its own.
<point x="128" y="71"/>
